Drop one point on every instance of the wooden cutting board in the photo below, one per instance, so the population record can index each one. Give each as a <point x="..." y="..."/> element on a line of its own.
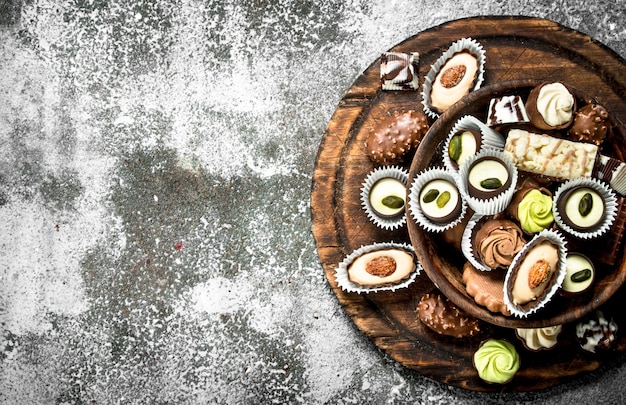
<point x="516" y="48"/>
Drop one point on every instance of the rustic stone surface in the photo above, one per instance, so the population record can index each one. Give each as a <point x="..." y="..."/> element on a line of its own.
<point x="155" y="172"/>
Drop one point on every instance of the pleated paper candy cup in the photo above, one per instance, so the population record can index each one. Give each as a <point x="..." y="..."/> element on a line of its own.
<point x="420" y="181"/>
<point x="523" y="311"/>
<point x="488" y="205"/>
<point x="343" y="279"/>
<point x="462" y="45"/>
<point x="385" y="222"/>
<point x="605" y="193"/>
<point x="490" y="139"/>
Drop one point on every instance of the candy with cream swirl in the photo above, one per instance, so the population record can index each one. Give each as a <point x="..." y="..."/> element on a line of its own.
<point x="497" y="241"/>
<point x="535" y="211"/>
<point x="539" y="338"/>
<point x="550" y="106"/>
<point x="496" y="361"/>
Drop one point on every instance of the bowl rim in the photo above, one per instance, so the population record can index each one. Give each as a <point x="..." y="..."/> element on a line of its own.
<point x="426" y="251"/>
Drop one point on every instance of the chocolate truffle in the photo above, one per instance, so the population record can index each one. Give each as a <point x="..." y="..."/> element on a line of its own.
<point x="591" y="124"/>
<point x="551" y="106"/>
<point x="393" y="137"/>
<point x="596" y="334"/>
<point x="442" y="316"/>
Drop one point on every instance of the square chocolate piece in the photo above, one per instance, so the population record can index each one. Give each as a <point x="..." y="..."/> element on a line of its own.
<point x="399" y="71"/>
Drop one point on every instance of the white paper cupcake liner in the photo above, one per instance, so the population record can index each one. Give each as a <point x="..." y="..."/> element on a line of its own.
<point x="489" y="138"/>
<point x="493" y="205"/>
<point x="556" y="238"/>
<point x="341" y="272"/>
<point x="377" y="174"/>
<point x="463" y="44"/>
<point x="607" y="195"/>
<point x="416" y="211"/>
<point x="467" y="246"/>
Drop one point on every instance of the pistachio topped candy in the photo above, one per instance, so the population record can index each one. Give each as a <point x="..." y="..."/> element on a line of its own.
<point x="487" y="177"/>
<point x="463" y="145"/>
<point x="440" y="200"/>
<point x="579" y="275"/>
<point x="387" y="197"/>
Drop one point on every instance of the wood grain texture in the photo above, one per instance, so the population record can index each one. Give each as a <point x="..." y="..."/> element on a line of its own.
<point x="516" y="48"/>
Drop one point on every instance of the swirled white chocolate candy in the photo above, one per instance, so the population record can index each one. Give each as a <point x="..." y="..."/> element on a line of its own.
<point x="381" y="267"/>
<point x="398" y="71"/>
<point x="454" y="80"/>
<point x="550" y="106"/>
<point x="440" y="201"/>
<point x="387" y="197"/>
<point x="506" y="110"/>
<point x="534" y="272"/>
<point x="539" y="338"/>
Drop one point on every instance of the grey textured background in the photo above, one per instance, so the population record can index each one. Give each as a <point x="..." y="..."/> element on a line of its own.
<point x="155" y="169"/>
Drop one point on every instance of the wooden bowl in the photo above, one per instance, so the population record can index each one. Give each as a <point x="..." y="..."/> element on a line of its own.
<point x="444" y="264"/>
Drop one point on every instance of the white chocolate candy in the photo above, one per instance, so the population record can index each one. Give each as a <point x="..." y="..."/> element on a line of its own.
<point x="522" y="293"/>
<point x="555" y="104"/>
<point x="576" y="263"/>
<point x="404" y="265"/>
<point x="434" y="209"/>
<point x="572" y="208"/>
<point x="549" y="156"/>
<point x="442" y="96"/>
<point x="384" y="188"/>
<point x="486" y="169"/>
<point x="539" y="338"/>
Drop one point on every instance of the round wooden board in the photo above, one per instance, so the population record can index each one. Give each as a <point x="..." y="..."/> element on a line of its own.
<point x="516" y="48"/>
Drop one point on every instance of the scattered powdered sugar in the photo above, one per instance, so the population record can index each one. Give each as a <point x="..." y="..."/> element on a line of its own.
<point x="156" y="163"/>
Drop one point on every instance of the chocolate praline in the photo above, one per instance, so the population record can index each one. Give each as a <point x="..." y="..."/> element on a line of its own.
<point x="443" y="317"/>
<point x="579" y="275"/>
<point x="440" y="201"/>
<point x="481" y="175"/>
<point x="538" y="119"/>
<point x="463" y="145"/>
<point x="591" y="124"/>
<point x="387" y="197"/>
<point x="570" y="204"/>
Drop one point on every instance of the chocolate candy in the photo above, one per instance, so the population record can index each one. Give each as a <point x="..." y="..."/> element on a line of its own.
<point x="395" y="136"/>
<point x="398" y="71"/>
<point x="445" y="318"/>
